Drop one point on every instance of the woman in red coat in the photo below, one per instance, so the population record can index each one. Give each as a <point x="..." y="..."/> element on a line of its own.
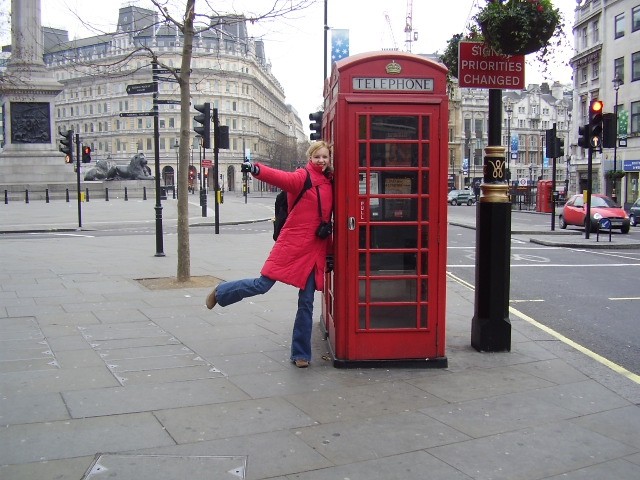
<point x="298" y="257"/>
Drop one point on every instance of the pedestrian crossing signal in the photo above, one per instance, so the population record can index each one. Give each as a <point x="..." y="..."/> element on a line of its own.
<point x="86" y="154"/>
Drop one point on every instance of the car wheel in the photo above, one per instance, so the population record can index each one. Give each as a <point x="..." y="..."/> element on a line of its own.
<point x="469" y="202"/>
<point x="454" y="202"/>
<point x="625" y="229"/>
<point x="563" y="224"/>
<point x="632" y="220"/>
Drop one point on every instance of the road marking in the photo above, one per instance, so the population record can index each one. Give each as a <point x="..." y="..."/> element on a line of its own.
<point x="593" y="355"/>
<point x="560" y="265"/>
<point x="527" y="301"/>
<point x="623" y="298"/>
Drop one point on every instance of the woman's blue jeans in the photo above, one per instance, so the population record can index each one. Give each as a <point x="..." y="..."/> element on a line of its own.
<point x="228" y="293"/>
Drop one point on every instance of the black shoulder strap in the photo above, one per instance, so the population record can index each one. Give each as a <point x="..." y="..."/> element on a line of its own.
<point x="307" y="186"/>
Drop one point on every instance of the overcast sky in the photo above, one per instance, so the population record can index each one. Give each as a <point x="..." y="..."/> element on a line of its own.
<point x="294" y="45"/>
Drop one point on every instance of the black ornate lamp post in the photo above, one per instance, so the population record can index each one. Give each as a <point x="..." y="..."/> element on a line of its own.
<point x="617" y="81"/>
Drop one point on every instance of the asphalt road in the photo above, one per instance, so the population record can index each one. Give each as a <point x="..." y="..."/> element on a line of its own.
<point x="589" y="296"/>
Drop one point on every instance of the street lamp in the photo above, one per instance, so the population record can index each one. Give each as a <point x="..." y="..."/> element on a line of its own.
<point x="509" y="109"/>
<point x="617" y="81"/>
<point x="176" y="145"/>
<point x="530" y="185"/>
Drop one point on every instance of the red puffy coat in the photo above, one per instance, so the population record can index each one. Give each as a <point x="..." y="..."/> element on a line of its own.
<point x="298" y="250"/>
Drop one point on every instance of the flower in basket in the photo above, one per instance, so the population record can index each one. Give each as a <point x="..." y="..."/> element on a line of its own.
<point x="519" y="27"/>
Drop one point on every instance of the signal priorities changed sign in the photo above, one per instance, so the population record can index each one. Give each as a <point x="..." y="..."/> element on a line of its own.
<point x="480" y="66"/>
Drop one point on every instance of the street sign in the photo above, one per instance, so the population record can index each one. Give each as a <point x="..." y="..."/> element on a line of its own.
<point x="168" y="102"/>
<point x="168" y="79"/>
<point x="166" y="70"/>
<point x="137" y="114"/>
<point x="138" y="88"/>
<point x="207" y="163"/>
<point x="480" y="66"/>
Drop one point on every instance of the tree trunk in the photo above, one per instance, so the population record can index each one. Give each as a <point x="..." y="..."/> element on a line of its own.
<point x="184" y="254"/>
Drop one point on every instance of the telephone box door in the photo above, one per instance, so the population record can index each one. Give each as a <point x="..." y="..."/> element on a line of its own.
<point x="396" y="212"/>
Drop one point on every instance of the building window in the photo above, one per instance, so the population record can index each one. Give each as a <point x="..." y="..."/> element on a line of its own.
<point x="595" y="70"/>
<point x="635" y="18"/>
<point x="635" y="117"/>
<point x="635" y="66"/>
<point x="618" y="68"/>
<point x="583" y="36"/>
<point x="583" y="74"/>
<point x="596" y="32"/>
<point x="619" y="26"/>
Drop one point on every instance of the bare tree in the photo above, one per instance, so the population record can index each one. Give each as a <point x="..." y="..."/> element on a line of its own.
<point x="190" y="24"/>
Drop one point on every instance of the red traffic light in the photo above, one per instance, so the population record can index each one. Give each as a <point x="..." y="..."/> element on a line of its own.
<point x="597" y="106"/>
<point x="87" y="150"/>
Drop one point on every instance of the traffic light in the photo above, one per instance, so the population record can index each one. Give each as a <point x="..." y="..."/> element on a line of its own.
<point x="86" y="154"/>
<point x="316" y="125"/>
<point x="583" y="136"/>
<point x="550" y="145"/>
<point x="609" y="130"/>
<point x="223" y="137"/>
<point x="559" y="147"/>
<point x="205" y="119"/>
<point x="66" y="145"/>
<point x="595" y="123"/>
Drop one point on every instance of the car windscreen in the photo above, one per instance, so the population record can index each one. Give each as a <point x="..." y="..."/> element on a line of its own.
<point x="602" y="202"/>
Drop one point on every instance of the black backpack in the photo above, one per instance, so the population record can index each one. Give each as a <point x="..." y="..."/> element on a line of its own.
<point x="282" y="208"/>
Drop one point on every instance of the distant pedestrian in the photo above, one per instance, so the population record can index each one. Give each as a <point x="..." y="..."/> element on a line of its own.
<point x="299" y="256"/>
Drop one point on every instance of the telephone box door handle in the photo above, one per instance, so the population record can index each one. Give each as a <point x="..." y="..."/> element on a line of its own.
<point x="352" y="223"/>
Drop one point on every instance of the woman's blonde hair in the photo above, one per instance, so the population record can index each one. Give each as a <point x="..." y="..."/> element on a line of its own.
<point x="315" y="146"/>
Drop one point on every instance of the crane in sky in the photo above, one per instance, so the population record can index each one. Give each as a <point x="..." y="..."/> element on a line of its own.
<point x="393" y="38"/>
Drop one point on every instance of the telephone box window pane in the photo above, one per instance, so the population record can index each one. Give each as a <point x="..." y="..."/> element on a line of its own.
<point x="424" y="288"/>
<point x="396" y="316"/>
<point x="402" y="290"/>
<point x="425" y="154"/>
<point x="362" y="127"/>
<point x="400" y="209"/>
<point x="362" y="258"/>
<point x="362" y="154"/>
<point x="426" y="130"/>
<point x="362" y="237"/>
<point x="425" y="181"/>
<point x="394" y="126"/>
<point x="362" y="317"/>
<point x="394" y="155"/>
<point x="374" y="209"/>
<point x="424" y="316"/>
<point x="425" y="236"/>
<point x="425" y="209"/>
<point x="394" y="236"/>
<point x="392" y="264"/>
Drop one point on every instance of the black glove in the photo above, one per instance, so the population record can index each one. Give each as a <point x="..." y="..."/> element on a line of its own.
<point x="248" y="167"/>
<point x="329" y="267"/>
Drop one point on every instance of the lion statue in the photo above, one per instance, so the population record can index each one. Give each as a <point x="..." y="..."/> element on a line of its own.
<point x="109" y="170"/>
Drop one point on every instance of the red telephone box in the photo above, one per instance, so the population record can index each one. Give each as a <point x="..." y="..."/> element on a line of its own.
<point x="384" y="304"/>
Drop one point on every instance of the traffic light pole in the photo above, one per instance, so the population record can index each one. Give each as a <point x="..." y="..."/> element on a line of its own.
<point x="78" y="179"/>
<point x="156" y="146"/>
<point x="587" y="220"/>
<point x="216" y="183"/>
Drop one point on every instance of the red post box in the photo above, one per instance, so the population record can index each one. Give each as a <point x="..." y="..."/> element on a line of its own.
<point x="544" y="196"/>
<point x="384" y="304"/>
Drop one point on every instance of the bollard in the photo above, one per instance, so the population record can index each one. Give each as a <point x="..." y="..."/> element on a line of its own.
<point x="6" y="197"/>
<point x="144" y="193"/>
<point x="106" y="194"/>
<point x="67" y="195"/>
<point x="26" y="196"/>
<point x="87" y="195"/>
<point x="126" y="195"/>
<point x="46" y="195"/>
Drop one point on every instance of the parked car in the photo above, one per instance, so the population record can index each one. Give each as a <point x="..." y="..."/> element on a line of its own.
<point x="461" y="197"/>
<point x="574" y="212"/>
<point x="634" y="213"/>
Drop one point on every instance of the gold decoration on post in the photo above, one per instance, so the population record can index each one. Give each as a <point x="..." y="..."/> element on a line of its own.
<point x="495" y="163"/>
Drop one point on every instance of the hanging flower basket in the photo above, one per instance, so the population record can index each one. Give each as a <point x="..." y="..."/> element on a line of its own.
<point x="518" y="27"/>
